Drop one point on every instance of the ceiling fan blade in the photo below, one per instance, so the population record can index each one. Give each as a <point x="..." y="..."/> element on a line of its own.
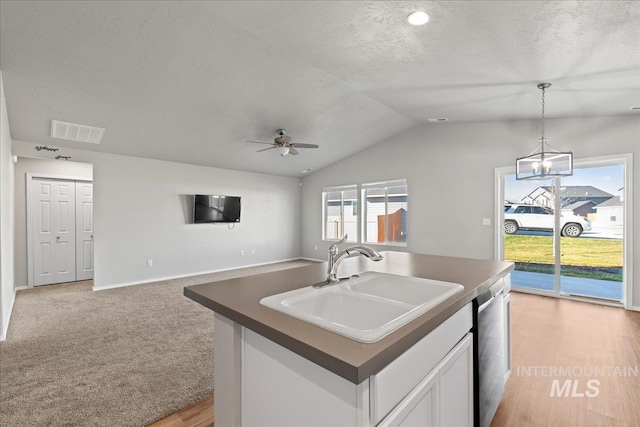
<point x="293" y="151"/>
<point x="304" y="145"/>
<point x="260" y="142"/>
<point x="265" y="149"/>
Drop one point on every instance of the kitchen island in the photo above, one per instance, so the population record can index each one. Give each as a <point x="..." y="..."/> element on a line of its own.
<point x="294" y="359"/>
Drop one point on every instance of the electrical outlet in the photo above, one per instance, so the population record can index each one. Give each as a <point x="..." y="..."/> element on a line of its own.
<point x="486" y="221"/>
<point x="316" y="247"/>
<point x="149" y="263"/>
<point x="253" y="251"/>
<point x="241" y="252"/>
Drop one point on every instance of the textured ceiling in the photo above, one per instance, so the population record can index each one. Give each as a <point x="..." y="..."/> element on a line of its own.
<point x="191" y="81"/>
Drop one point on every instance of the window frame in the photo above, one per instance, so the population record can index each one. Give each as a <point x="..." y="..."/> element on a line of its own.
<point x="360" y="211"/>
<point x="325" y="208"/>
<point x="385" y="185"/>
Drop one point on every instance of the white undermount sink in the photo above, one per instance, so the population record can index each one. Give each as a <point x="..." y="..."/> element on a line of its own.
<point x="364" y="308"/>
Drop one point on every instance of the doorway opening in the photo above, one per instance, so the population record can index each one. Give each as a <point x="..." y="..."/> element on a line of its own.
<point x="568" y="236"/>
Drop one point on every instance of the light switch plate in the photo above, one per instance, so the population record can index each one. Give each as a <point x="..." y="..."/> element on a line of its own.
<point x="486" y="221"/>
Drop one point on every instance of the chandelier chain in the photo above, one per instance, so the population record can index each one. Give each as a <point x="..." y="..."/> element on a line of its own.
<point x="542" y="121"/>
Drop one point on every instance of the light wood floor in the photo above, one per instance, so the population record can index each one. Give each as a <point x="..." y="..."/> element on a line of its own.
<point x="551" y="333"/>
<point x="559" y="333"/>
<point x="199" y="414"/>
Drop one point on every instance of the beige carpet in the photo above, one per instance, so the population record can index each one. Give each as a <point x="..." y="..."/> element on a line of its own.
<point x="120" y="357"/>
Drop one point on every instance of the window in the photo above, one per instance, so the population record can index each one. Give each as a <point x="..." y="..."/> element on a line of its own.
<point x="340" y="212"/>
<point x="382" y="219"/>
<point x="385" y="212"/>
<point x="540" y="210"/>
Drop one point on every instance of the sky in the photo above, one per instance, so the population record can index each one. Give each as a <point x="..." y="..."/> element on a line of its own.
<point x="605" y="178"/>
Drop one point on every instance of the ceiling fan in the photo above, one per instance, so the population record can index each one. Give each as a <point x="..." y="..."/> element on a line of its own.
<point x="283" y="144"/>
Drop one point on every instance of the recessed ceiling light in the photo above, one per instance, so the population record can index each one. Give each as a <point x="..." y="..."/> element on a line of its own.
<point x="418" y="18"/>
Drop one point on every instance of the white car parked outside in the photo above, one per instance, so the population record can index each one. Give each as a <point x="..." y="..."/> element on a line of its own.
<point x="529" y="217"/>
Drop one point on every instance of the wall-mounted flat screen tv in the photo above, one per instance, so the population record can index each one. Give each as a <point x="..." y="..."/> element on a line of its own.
<point x="208" y="209"/>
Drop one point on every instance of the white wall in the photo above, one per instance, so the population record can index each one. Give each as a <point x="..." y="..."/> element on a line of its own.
<point x="450" y="172"/>
<point x="24" y="166"/>
<point x="142" y="211"/>
<point x="7" y="291"/>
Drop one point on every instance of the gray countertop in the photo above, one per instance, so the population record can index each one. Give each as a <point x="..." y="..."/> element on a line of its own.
<point x="239" y="300"/>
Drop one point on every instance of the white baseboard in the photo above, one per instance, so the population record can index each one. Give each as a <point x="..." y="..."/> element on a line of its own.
<point x="634" y="308"/>
<point x="5" y="326"/>
<point x="313" y="259"/>
<point x="21" y="288"/>
<point x="181" y="276"/>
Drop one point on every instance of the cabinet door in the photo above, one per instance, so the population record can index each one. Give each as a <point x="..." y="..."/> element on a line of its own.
<point x="456" y="385"/>
<point x="419" y="408"/>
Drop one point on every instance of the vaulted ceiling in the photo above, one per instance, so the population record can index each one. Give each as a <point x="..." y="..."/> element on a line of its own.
<point x="191" y="81"/>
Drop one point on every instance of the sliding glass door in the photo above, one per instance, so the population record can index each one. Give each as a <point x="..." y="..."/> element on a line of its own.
<point x="592" y="265"/>
<point x="529" y="233"/>
<point x="567" y="236"/>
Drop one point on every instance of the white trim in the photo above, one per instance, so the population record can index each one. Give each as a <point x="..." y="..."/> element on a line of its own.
<point x="551" y="294"/>
<point x="21" y="288"/>
<point x="38" y="175"/>
<point x="29" y="176"/>
<point x="5" y="326"/>
<point x="182" y="276"/>
<point x="387" y="183"/>
<point x="625" y="159"/>
<point x="498" y="193"/>
<point x="627" y="278"/>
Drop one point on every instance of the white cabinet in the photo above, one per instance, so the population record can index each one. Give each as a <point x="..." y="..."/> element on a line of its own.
<point x="456" y="385"/>
<point x="444" y="397"/>
<point x="267" y="385"/>
<point x="419" y="408"/>
<point x="398" y="378"/>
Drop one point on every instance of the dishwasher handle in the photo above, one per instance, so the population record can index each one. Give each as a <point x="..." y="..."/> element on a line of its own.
<point x="486" y="297"/>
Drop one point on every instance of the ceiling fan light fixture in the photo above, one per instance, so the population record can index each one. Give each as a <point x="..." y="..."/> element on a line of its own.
<point x="283" y="150"/>
<point x="544" y="162"/>
<point x="417" y="18"/>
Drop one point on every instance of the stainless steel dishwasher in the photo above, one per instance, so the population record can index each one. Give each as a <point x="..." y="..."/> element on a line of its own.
<point x="490" y="360"/>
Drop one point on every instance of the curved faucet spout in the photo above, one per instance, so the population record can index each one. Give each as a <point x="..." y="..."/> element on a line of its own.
<point x="366" y="251"/>
<point x="336" y="258"/>
<point x="349" y="252"/>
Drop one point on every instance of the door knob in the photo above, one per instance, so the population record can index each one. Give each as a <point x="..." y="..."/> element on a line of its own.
<point x="58" y="238"/>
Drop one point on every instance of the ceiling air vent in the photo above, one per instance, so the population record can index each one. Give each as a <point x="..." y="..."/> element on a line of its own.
<point x="439" y="119"/>
<point x="76" y="132"/>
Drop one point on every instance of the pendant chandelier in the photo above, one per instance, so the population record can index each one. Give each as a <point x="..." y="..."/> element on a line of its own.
<point x="544" y="162"/>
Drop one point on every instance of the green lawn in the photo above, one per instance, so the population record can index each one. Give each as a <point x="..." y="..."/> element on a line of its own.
<point x="580" y="257"/>
<point x="574" y="251"/>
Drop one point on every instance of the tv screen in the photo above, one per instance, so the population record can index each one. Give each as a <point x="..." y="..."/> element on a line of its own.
<point x="209" y="209"/>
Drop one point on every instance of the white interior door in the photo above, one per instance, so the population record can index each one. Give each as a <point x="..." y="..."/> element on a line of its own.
<point x="54" y="230"/>
<point x="84" y="230"/>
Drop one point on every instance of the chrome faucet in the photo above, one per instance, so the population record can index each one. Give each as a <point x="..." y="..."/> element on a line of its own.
<point x="336" y="258"/>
